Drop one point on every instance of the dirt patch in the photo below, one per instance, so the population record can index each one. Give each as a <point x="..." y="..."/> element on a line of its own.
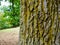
<point x="9" y="37"/>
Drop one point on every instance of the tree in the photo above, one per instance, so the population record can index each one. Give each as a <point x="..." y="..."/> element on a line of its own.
<point x="11" y="14"/>
<point x="15" y="9"/>
<point x="39" y="22"/>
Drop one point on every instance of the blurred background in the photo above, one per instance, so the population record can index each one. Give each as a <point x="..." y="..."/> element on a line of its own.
<point x="9" y="13"/>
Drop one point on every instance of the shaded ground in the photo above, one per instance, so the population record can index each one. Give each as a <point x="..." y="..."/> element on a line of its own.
<point x="9" y="36"/>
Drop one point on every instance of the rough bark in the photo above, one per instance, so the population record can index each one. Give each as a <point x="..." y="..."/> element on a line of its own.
<point x="39" y="22"/>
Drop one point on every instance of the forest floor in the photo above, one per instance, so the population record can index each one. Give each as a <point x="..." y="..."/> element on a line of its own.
<point x="9" y="36"/>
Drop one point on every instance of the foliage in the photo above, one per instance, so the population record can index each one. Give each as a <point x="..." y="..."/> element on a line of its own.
<point x="10" y="15"/>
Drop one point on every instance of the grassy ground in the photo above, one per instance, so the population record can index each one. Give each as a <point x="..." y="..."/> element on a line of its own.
<point x="9" y="36"/>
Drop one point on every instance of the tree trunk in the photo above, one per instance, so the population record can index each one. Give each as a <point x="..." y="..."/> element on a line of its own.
<point x="39" y="22"/>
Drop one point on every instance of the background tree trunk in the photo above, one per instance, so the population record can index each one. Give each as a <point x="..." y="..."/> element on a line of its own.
<point x="39" y="22"/>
